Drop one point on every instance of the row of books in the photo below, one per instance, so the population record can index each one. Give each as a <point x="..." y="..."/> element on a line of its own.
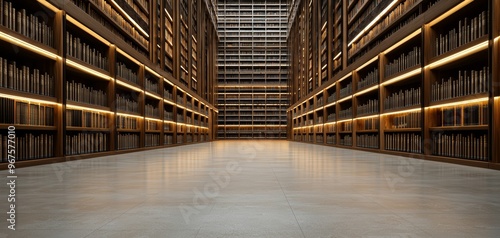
<point x="401" y="99"/>
<point x="180" y="139"/>
<point x="168" y="127"/>
<point x="129" y="123"/>
<point x="152" y="125"/>
<point x="345" y="140"/>
<point x="119" y="20"/>
<point x="138" y="9"/>
<point x="461" y="145"/>
<point x="28" y="146"/>
<point x="345" y="113"/>
<point x="126" y="73"/>
<point x="367" y="141"/>
<point x="345" y="126"/>
<point x="406" y="120"/>
<point x="397" y="13"/>
<point x="151" y="111"/>
<point x="331" y="139"/>
<point x="151" y="85"/>
<point x="151" y="140"/>
<point x="169" y="116"/>
<point x="86" y="52"/>
<point x="86" y="142"/>
<point x="331" y="117"/>
<point x="25" y="78"/>
<point x="331" y="98"/>
<point x="331" y="128"/>
<point x="464" y="115"/>
<point x="168" y="139"/>
<point x="91" y="119"/>
<point x="128" y="141"/>
<point x="319" y="138"/>
<point x="346" y="90"/>
<point x="124" y="103"/>
<point x="360" y="5"/>
<point x="167" y="94"/>
<point x="33" y="26"/>
<point x="467" y="31"/>
<point x="79" y="92"/>
<point x="468" y="82"/>
<point x="369" y="79"/>
<point x="16" y="112"/>
<point x="404" y="61"/>
<point x="368" y="124"/>
<point x="369" y="107"/>
<point x="404" y="142"/>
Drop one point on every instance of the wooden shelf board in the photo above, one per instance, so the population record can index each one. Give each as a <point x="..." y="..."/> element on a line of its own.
<point x="83" y="63"/>
<point x="459" y="99"/>
<point x="458" y="49"/>
<point x="26" y="95"/>
<point x="88" y="105"/>
<point x="403" y="130"/>
<point x="128" y="130"/>
<point x="402" y="109"/>
<point x="459" y="128"/>
<point x="73" y="128"/>
<point x="367" y="131"/>
<point x="29" y="127"/>
<point x="27" y="40"/>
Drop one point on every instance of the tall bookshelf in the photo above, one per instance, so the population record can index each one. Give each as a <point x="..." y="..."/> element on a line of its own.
<point x="416" y="78"/>
<point x="83" y="78"/>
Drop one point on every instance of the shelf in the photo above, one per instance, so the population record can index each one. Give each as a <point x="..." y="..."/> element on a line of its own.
<point x="79" y="65"/>
<point x="26" y="43"/>
<point x="368" y="131"/>
<point x="460" y="100"/>
<point x="28" y="127"/>
<point x="460" y="128"/>
<point x="26" y="97"/>
<point x="402" y="109"/>
<point x="87" y="106"/>
<point x="396" y="130"/>
<point x="73" y="128"/>
<point x="405" y="74"/>
<point x="459" y="53"/>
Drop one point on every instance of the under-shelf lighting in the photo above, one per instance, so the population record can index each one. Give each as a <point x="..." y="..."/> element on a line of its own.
<point x="27" y="99"/>
<point x="346" y="76"/>
<point x="337" y="56"/>
<point x="87" y="108"/>
<point x="350" y="119"/>
<point x="168" y="14"/>
<point x="403" y="76"/>
<point x="331" y="104"/>
<point x="483" y="99"/>
<point x="375" y="20"/>
<point x="451" y="11"/>
<point x="366" y="117"/>
<point x="400" y="112"/>
<point x="152" y="95"/>
<point x="15" y="41"/>
<point x="367" y="63"/>
<point x="129" y="18"/>
<point x="330" y="123"/>
<point x="169" y="102"/>
<point x="48" y="5"/>
<point x="88" y="70"/>
<point x="344" y="99"/>
<point x="167" y="81"/>
<point x="127" y="56"/>
<point x="128" y="115"/>
<point x="366" y="90"/>
<point x="153" y="119"/>
<point x="404" y="40"/>
<point x="152" y="71"/>
<point x="129" y="86"/>
<point x="86" y="29"/>
<point x="469" y="51"/>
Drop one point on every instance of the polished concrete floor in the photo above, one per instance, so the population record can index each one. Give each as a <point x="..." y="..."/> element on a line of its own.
<point x="254" y="189"/>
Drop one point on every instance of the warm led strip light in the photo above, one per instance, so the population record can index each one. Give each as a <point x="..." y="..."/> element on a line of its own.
<point x="129" y="86"/>
<point x="27" y="99"/>
<point x="252" y="125"/>
<point x="366" y="117"/>
<point x="86" y="29"/>
<point x="168" y="14"/>
<point x="153" y="72"/>
<point x="407" y="38"/>
<point x="337" y="56"/>
<point x="350" y="119"/>
<point x="169" y="102"/>
<point x="128" y="56"/>
<point x="128" y="115"/>
<point x="375" y="20"/>
<point x="367" y="63"/>
<point x="346" y="76"/>
<point x="344" y="99"/>
<point x="458" y="55"/>
<point x="87" y="108"/>
<point x="367" y="90"/>
<point x="88" y="70"/>
<point x="331" y="104"/>
<point x="48" y="5"/>
<point x="153" y="119"/>
<point x="167" y="121"/>
<point x="403" y="111"/>
<point x="152" y="95"/>
<point x="451" y="11"/>
<point x="460" y="103"/>
<point x="129" y="18"/>
<point x="27" y="46"/>
<point x="403" y="76"/>
<point x="330" y="123"/>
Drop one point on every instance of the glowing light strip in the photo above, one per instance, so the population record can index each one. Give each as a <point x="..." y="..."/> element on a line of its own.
<point x="152" y="95"/>
<point x="167" y="121"/>
<point x="153" y="72"/>
<point x="350" y="119"/>
<point x="460" y="103"/>
<point x="400" y="112"/>
<point x="337" y="56"/>
<point x="403" y="76"/>
<point x="87" y="108"/>
<point x="86" y="29"/>
<point x="458" y="55"/>
<point x="324" y="25"/>
<point x="130" y="18"/>
<point x="167" y="81"/>
<point x="451" y="11"/>
<point x="153" y="119"/>
<point x="128" y="115"/>
<point x="27" y="99"/>
<point x="367" y="63"/>
<point x="330" y="123"/>
<point x="129" y="86"/>
<point x="375" y="20"/>
<point x="48" y="5"/>
<point x="367" y="90"/>
<point x="169" y="102"/>
<point x="331" y="104"/>
<point x="366" y="117"/>
<point x="407" y="38"/>
<point x="88" y="70"/>
<point x="253" y="125"/>
<point x="331" y="86"/>
<point x="168" y="14"/>
<point x="127" y="56"/>
<point x="344" y="99"/>
<point x="324" y="66"/>
<point x="318" y="109"/>
<point x="346" y="76"/>
<point x="15" y="41"/>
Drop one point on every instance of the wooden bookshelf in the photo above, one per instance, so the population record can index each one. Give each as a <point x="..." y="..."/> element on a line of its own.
<point x="418" y="81"/>
<point x="92" y="85"/>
